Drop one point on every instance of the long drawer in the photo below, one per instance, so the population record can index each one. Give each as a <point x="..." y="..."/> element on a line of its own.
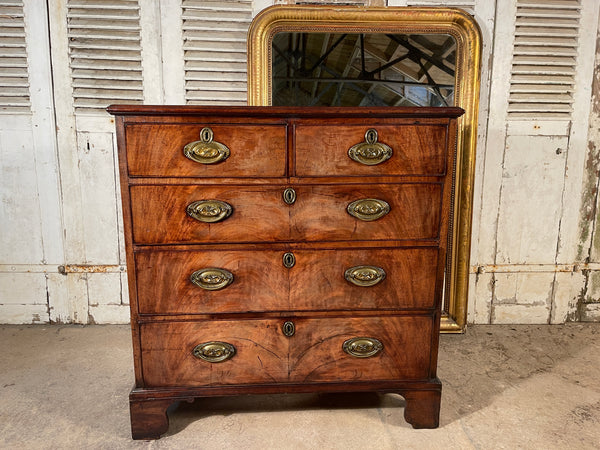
<point x="258" y="351"/>
<point x="319" y="280"/>
<point x="323" y="150"/>
<point x="259" y="213"/>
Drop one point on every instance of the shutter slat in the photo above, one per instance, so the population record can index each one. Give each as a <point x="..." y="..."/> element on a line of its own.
<point x="214" y="42"/>
<point x="540" y="88"/>
<point x="548" y="13"/>
<point x="544" y="59"/>
<point x="216" y="36"/>
<point x="543" y="42"/>
<point x="14" y="76"/>
<point x="105" y="53"/>
<point x="550" y="4"/>
<point x="545" y="50"/>
<point x="546" y="32"/>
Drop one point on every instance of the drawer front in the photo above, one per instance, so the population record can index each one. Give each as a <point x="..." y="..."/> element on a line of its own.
<point x="322" y="150"/>
<point x="318" y="281"/>
<point x="159" y="214"/>
<point x="260" y="282"/>
<point x="263" y="354"/>
<point x="168" y="360"/>
<point x="157" y="150"/>
<point x="320" y="212"/>
<point x="316" y="353"/>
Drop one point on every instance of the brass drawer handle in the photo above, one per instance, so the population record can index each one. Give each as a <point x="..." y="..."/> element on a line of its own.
<point x="206" y="151"/>
<point x="212" y="278"/>
<point x="289" y="329"/>
<point x="365" y="276"/>
<point x="209" y="211"/>
<point x="214" y="352"/>
<point x="289" y="196"/>
<point x="370" y="152"/>
<point x="289" y="260"/>
<point x="368" y="209"/>
<point x="362" y="347"/>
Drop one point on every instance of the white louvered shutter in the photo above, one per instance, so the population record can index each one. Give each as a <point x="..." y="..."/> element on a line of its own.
<point x="467" y="5"/>
<point x="544" y="59"/>
<point x="105" y="53"/>
<point x="214" y="43"/>
<point x="14" y="82"/>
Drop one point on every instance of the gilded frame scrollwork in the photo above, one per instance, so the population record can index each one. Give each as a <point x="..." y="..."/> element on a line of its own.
<point x="395" y="20"/>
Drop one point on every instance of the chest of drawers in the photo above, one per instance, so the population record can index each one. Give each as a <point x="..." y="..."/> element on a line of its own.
<point x="274" y="250"/>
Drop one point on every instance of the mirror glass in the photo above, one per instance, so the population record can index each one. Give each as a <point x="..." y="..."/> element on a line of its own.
<point x="363" y="69"/>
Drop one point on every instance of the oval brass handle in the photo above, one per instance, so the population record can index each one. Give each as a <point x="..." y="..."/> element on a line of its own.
<point x="364" y="276"/>
<point x="214" y="351"/>
<point x="370" y="152"/>
<point x="212" y="278"/>
<point x="289" y="196"/>
<point x="368" y="209"/>
<point x="206" y="151"/>
<point x="362" y="347"/>
<point x="289" y="329"/>
<point x="289" y="260"/>
<point x="209" y="211"/>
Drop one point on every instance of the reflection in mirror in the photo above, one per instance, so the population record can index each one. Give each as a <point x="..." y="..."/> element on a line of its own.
<point x="375" y="69"/>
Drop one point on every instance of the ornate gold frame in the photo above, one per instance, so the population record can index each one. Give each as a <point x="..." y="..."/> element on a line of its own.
<point x="397" y="20"/>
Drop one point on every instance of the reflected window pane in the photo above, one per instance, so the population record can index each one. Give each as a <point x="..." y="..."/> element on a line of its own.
<point x="328" y="69"/>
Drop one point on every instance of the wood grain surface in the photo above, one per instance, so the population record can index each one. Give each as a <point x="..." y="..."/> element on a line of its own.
<point x="260" y="215"/>
<point x="157" y="150"/>
<point x="167" y="359"/>
<point x="316" y="355"/>
<point x="317" y="280"/>
<point x="265" y="355"/>
<point x="260" y="282"/>
<point x="319" y="213"/>
<point x="322" y="150"/>
<point x="159" y="214"/>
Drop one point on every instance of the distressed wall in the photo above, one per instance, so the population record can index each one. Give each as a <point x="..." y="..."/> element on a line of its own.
<point x="536" y="240"/>
<point x="586" y="305"/>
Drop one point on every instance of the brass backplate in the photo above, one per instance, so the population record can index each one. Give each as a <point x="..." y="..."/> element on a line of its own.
<point x="212" y="278"/>
<point x="368" y="209"/>
<point x="370" y="152"/>
<point x="214" y="351"/>
<point x="362" y="347"/>
<point x="206" y="151"/>
<point x="209" y="211"/>
<point x="365" y="276"/>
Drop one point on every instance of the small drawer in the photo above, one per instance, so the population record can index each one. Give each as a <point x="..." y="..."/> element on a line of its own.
<point x="164" y="282"/>
<point x="323" y="150"/>
<point x="255" y="351"/>
<point x="320" y="212"/>
<point x="405" y="278"/>
<point x="157" y="150"/>
<point x="256" y="214"/>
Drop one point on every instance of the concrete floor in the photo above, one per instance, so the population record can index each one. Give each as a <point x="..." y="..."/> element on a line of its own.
<point x="508" y="387"/>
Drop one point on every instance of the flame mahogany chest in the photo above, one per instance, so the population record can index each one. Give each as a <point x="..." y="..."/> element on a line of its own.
<point x="280" y="250"/>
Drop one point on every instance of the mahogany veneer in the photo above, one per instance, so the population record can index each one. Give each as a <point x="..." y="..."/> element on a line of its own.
<point x="295" y="316"/>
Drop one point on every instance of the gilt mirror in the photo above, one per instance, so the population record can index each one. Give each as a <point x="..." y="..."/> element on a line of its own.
<point x="357" y="56"/>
